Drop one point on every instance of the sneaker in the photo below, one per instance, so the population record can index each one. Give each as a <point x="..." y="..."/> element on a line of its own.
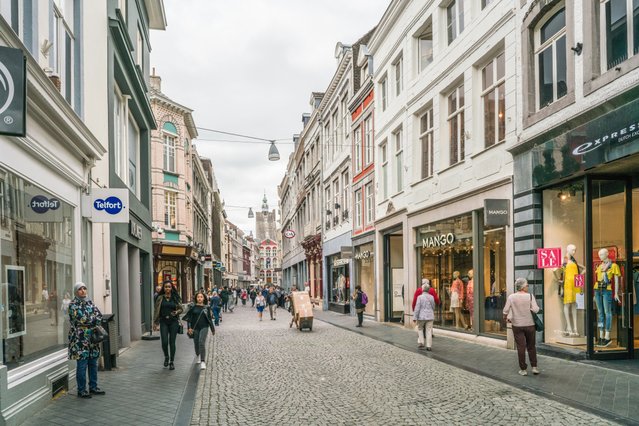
<point x="535" y="370"/>
<point x="420" y="347"/>
<point x="84" y="394"/>
<point x="429" y="349"/>
<point x="97" y="391"/>
<point x="203" y="365"/>
<point x="523" y="372"/>
<point x="606" y="342"/>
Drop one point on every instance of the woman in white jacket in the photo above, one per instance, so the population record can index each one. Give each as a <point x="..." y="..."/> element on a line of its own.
<point x="424" y="315"/>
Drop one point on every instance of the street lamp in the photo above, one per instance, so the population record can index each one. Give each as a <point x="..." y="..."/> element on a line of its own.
<point x="273" y="153"/>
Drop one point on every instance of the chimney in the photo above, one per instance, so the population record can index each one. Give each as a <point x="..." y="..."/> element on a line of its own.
<point x="155" y="81"/>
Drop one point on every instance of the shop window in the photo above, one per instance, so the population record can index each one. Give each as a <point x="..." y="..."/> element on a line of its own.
<point x="494" y="101"/>
<point x="365" y="273"/>
<point x="456" y="133"/>
<point x="339" y="288"/>
<point x="564" y="302"/>
<point x="446" y="256"/>
<point x="619" y="31"/>
<point x="550" y="57"/>
<point x="36" y="274"/>
<point x="494" y="281"/>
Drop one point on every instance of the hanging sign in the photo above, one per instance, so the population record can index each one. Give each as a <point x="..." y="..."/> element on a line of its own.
<point x="107" y="205"/>
<point x="579" y="280"/>
<point x="496" y="212"/>
<point x="548" y="258"/>
<point x="13" y="92"/>
<point x="289" y="233"/>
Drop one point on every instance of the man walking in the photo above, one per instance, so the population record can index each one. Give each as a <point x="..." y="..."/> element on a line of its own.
<point x="272" y="303"/>
<point x="224" y="295"/>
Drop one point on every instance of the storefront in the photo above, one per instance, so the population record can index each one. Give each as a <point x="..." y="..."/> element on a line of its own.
<point x="581" y="186"/>
<point x="364" y="273"/>
<point x="339" y="287"/>
<point x="465" y="258"/>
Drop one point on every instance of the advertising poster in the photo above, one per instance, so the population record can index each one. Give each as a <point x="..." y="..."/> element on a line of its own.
<point x="14" y="299"/>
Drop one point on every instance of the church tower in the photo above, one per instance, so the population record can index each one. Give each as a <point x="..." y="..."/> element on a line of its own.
<point x="265" y="226"/>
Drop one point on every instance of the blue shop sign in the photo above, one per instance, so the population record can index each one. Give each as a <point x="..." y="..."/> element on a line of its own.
<point x="611" y="136"/>
<point x="13" y="91"/>
<point x="41" y="204"/>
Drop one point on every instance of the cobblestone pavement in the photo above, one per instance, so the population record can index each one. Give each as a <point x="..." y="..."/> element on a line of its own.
<point x="267" y="373"/>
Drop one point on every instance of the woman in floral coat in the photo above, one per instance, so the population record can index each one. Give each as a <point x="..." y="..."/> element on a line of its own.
<point x="83" y="316"/>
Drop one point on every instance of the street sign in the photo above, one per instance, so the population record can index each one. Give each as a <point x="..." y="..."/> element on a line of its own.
<point x="107" y="205"/>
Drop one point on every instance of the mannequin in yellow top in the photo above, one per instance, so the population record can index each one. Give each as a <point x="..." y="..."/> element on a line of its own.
<point x="608" y="275"/>
<point x="570" y="270"/>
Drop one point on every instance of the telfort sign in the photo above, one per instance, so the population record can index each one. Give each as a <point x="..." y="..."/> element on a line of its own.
<point x="438" y="240"/>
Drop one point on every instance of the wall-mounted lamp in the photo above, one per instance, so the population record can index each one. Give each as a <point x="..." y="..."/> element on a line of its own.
<point x="578" y="48"/>
<point x="337" y="206"/>
<point x="562" y="196"/>
<point x="328" y="212"/>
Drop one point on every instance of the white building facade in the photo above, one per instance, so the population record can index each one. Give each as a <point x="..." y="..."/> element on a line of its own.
<point x="445" y="114"/>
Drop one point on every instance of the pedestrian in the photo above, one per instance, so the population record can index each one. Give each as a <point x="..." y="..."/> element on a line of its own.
<point x="199" y="322"/>
<point x="53" y="307"/>
<point x="253" y="295"/>
<point x="157" y="292"/>
<point x="45" y="299"/>
<point x="360" y="304"/>
<point x="518" y="312"/>
<point x="260" y="303"/>
<point x="272" y="301"/>
<point x="244" y="296"/>
<point x="168" y="307"/>
<point x="83" y="317"/>
<point x="431" y="291"/>
<point x="424" y="315"/>
<point x="66" y="301"/>
<point x="224" y="294"/>
<point x="215" y="304"/>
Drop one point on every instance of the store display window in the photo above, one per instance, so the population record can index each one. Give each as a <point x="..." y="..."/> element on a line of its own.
<point x="492" y="303"/>
<point x="339" y="287"/>
<point x="564" y="293"/>
<point x="36" y="244"/>
<point x="364" y="264"/>
<point x="446" y="259"/>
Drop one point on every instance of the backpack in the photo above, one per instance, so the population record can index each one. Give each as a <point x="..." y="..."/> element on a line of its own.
<point x="364" y="299"/>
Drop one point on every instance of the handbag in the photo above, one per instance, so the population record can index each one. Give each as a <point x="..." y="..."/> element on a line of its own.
<point x="539" y="325"/>
<point x="98" y="334"/>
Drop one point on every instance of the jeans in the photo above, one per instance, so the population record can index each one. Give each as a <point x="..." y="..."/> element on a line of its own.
<point x="199" y="340"/>
<point x="216" y="315"/>
<point x="525" y="340"/>
<point x="360" y="318"/>
<point x="168" y="333"/>
<point x="225" y="306"/>
<point x="425" y="328"/>
<point x="603" y="300"/>
<point x="81" y="374"/>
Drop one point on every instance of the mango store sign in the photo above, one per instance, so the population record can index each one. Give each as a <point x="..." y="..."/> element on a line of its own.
<point x="107" y="205"/>
<point x="549" y="258"/>
<point x="439" y="240"/>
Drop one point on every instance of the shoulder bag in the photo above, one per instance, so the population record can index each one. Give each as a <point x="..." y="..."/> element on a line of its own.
<point x="198" y="318"/>
<point x="98" y="334"/>
<point x="539" y="325"/>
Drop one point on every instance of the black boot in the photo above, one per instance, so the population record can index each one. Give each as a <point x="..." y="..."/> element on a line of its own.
<point x="166" y="361"/>
<point x="171" y="366"/>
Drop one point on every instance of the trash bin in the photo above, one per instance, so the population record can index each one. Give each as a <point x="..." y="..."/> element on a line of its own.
<point x="109" y="359"/>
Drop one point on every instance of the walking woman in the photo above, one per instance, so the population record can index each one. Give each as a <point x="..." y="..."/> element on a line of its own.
<point x="199" y="322"/>
<point x="517" y="311"/>
<point x="424" y="316"/>
<point x="359" y="305"/>
<point x="260" y="303"/>
<point x="168" y="307"/>
<point x="83" y="316"/>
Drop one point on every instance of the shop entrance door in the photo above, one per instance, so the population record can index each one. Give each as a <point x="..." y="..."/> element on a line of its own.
<point x="635" y="266"/>
<point x="394" y="286"/>
<point x="610" y="268"/>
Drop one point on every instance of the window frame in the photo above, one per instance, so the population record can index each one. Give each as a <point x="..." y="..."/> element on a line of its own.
<point x="383" y="86"/>
<point x="398" y="144"/>
<point x="460" y="128"/>
<point x="426" y="33"/>
<point x="358" y="208"/>
<point x="551" y="43"/>
<point x="458" y="23"/>
<point x="383" y="148"/>
<point x="136" y="188"/>
<point x="168" y="207"/>
<point x="368" y="141"/>
<point x="398" y="70"/>
<point x="166" y="135"/>
<point x="497" y="83"/>
<point x="427" y="140"/>
<point x="603" y="45"/>
<point x="357" y="154"/>
<point x="369" y="204"/>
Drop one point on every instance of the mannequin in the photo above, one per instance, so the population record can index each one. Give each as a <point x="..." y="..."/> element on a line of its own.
<point x="457" y="299"/>
<point x="607" y="275"/>
<point x="470" y="297"/>
<point x="570" y="270"/>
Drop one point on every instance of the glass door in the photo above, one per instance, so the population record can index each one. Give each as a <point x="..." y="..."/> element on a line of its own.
<point x="634" y="306"/>
<point x="611" y="266"/>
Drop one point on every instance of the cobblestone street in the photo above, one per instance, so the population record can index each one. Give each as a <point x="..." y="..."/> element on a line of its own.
<point x="267" y="373"/>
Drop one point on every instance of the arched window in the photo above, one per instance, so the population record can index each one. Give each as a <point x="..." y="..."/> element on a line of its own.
<point x="169" y="138"/>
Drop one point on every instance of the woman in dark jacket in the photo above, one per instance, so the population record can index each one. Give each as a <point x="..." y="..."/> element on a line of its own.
<point x="199" y="322"/>
<point x="359" y="305"/>
<point x="83" y="317"/>
<point x="168" y="307"/>
<point x="216" y="305"/>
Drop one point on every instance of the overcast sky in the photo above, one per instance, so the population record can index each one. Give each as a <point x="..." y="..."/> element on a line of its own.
<point x="249" y="67"/>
